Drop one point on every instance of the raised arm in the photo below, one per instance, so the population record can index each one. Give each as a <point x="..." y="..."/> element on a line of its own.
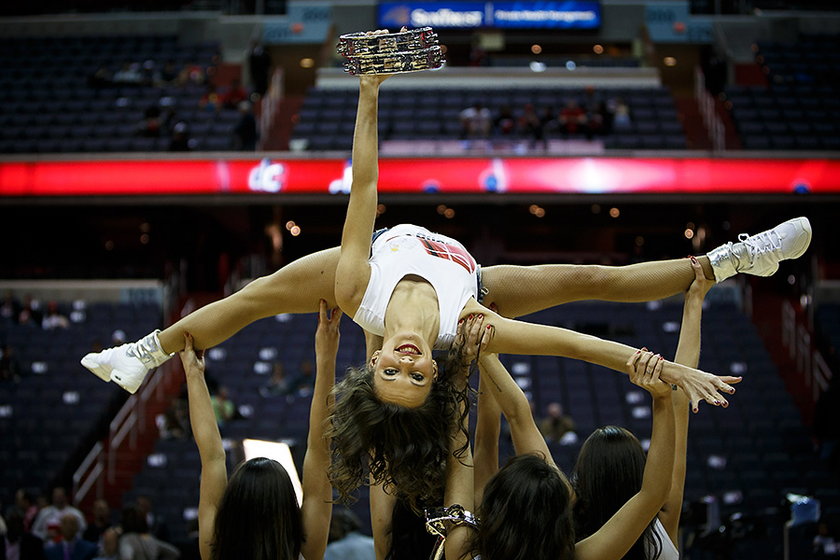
<point x="316" y="508"/>
<point x="487" y="433"/>
<point x="352" y="273"/>
<point x="381" y="518"/>
<point x="515" y="406"/>
<point x="459" y="490"/>
<point x="688" y="353"/>
<point x="518" y="337"/>
<point x="473" y="338"/>
<point x="614" y="539"/>
<point x="209" y="442"/>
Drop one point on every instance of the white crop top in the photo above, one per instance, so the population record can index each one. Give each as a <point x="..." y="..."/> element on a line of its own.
<point x="669" y="551"/>
<point x="440" y="260"/>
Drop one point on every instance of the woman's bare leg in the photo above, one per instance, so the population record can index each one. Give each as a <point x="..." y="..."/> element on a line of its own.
<point x="519" y="290"/>
<point x="296" y="288"/>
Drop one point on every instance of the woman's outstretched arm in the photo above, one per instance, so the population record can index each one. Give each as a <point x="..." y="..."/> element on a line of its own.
<point x="688" y="353"/>
<point x="316" y="508"/>
<point x="614" y="539"/>
<point x="209" y="442"/>
<point x="515" y="406"/>
<point x="352" y="274"/>
<point x="518" y="337"/>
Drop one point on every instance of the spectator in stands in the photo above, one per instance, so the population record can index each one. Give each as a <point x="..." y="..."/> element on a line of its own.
<point x="110" y="546"/>
<point x="259" y="66"/>
<point x="30" y="313"/>
<point x="10" y="308"/>
<point x="192" y="74"/>
<point x="53" y="318"/>
<point x="180" y="141"/>
<point x="245" y="132"/>
<point x="346" y="542"/>
<point x="277" y="385"/>
<point x="101" y="521"/>
<point x="476" y="121"/>
<point x="556" y="424"/>
<point x="504" y="125"/>
<point x="304" y="381"/>
<point x="18" y="543"/>
<point x="611" y="466"/>
<point x="156" y="524"/>
<point x="129" y="74"/>
<point x="167" y="74"/>
<point x="70" y="547"/>
<point x="137" y="544"/>
<point x="25" y="501"/>
<point x="210" y="101"/>
<point x="153" y="122"/>
<point x="9" y="365"/>
<point x="596" y="118"/>
<point x="172" y="422"/>
<point x="234" y="95"/>
<point x="572" y="119"/>
<point x="621" y="120"/>
<point x="255" y="514"/>
<point x="532" y="127"/>
<point x="825" y="545"/>
<point x="50" y="516"/>
<point x="223" y="406"/>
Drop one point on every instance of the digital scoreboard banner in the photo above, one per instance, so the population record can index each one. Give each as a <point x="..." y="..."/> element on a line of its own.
<point x="279" y="176"/>
<point x="571" y="14"/>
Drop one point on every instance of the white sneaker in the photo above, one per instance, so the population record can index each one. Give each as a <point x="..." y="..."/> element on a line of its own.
<point x="760" y="254"/>
<point x="127" y="364"/>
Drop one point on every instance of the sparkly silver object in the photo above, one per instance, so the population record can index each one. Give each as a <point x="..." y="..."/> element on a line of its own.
<point x="395" y="63"/>
<point x="391" y="53"/>
<point x="355" y="44"/>
<point x="438" y="521"/>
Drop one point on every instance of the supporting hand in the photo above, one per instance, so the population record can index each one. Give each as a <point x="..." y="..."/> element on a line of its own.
<point x="192" y="360"/>
<point x="327" y="335"/>
<point x="644" y="368"/>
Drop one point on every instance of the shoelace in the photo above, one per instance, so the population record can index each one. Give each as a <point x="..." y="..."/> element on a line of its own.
<point x="763" y="242"/>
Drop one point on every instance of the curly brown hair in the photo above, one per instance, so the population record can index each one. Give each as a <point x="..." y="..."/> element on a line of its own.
<point x="405" y="449"/>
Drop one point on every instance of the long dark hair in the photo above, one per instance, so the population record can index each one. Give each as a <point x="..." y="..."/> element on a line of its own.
<point x="133" y="521"/>
<point x="608" y="472"/>
<point x="526" y="513"/>
<point x="258" y="517"/>
<point x="403" y="448"/>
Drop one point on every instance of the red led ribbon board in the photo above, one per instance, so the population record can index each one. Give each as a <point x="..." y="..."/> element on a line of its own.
<point x="595" y="175"/>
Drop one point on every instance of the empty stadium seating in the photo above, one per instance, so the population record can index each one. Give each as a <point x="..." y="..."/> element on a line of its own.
<point x="50" y="104"/>
<point x="796" y="110"/>
<point x="48" y="417"/>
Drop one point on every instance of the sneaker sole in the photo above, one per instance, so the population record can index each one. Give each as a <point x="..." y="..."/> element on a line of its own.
<point x="130" y="388"/>
<point x="805" y="224"/>
<point x="101" y="372"/>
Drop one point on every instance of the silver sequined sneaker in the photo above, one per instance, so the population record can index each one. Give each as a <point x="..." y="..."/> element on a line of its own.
<point x="760" y="254"/>
<point x="127" y="364"/>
